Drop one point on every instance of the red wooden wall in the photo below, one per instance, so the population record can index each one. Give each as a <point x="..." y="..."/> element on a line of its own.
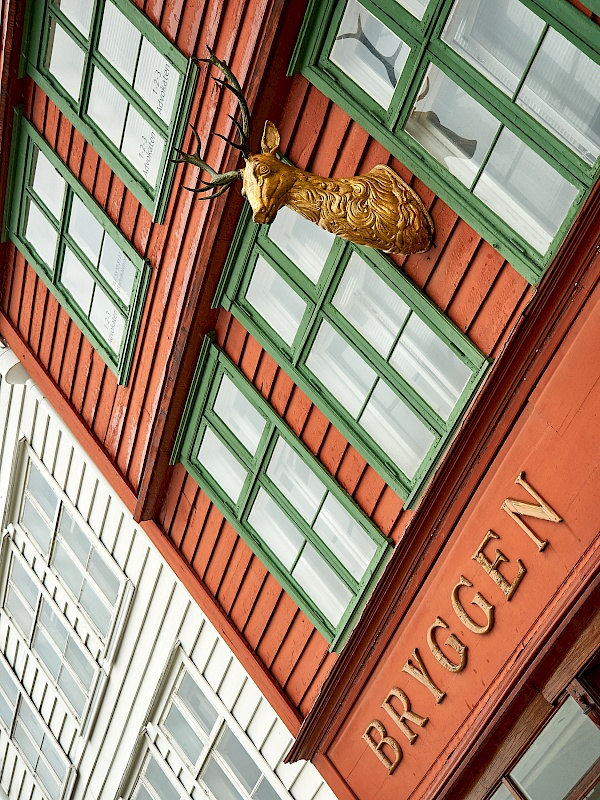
<point x="463" y="276"/>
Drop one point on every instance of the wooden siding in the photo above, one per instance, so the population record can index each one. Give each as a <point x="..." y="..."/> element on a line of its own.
<point x="162" y="614"/>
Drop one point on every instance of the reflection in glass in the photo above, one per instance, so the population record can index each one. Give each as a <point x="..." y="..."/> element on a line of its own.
<point x="85" y="230"/>
<point x="560" y="756"/>
<point x="79" y="12"/>
<point x="156" y="81"/>
<point x="119" y="41"/>
<point x="41" y="490"/>
<point x="562" y="91"/>
<point x="318" y="580"/>
<point x="222" y="466"/>
<point x="396" y="429"/>
<point x="40" y="233"/>
<point x="346" y="539"/>
<point x="218" y="782"/>
<point x="525" y="191"/>
<point x="296" y="480"/>
<point x="107" y="108"/>
<point x="498" y="37"/>
<point x="303" y="242"/>
<point x="416" y="7"/>
<point x="143" y="146"/>
<point x="369" y="53"/>
<point x="107" y="320"/>
<point x="340" y="369"/>
<point x="238" y="760"/>
<point x="198" y="704"/>
<point x="275" y="529"/>
<point x="452" y="126"/>
<point x="368" y="303"/>
<point x="183" y="733"/>
<point x="47" y="183"/>
<point x="430" y="367"/>
<point x="275" y="300"/>
<point x="77" y="281"/>
<point x="117" y="269"/>
<point x="64" y="60"/>
<point x="238" y="413"/>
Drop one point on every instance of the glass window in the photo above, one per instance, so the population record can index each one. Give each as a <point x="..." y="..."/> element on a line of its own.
<point x="103" y="61"/>
<point x="77" y="558"/>
<point x="34" y="741"/>
<point x="279" y="499"/>
<point x="383" y="365"/>
<point x="95" y="273"/>
<point x="218" y="758"/>
<point x="458" y="91"/>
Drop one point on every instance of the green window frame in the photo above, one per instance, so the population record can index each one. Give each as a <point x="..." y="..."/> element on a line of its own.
<point x="85" y="261"/>
<point x="387" y="367"/>
<point x="120" y="82"/>
<point x="295" y="517"/>
<point x="496" y="124"/>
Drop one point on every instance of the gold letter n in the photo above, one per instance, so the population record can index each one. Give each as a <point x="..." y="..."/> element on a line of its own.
<point x="516" y="508"/>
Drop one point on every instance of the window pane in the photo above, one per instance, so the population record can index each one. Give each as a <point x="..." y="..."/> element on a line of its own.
<point x="275" y="300"/>
<point x="346" y="539"/>
<point x="369" y="53"/>
<point x="85" y="230"/>
<point x="79" y="663"/>
<point x="92" y="603"/>
<point x="219" y="784"/>
<point x="156" y="81"/>
<point x="41" y="234"/>
<point x="370" y="305"/>
<point x="396" y="429"/>
<point x="42" y="491"/>
<point x="47" y="183"/>
<point x="119" y="41"/>
<point x="183" y="734"/>
<point x="321" y="584"/>
<point x="416" y="7"/>
<point x="78" y="542"/>
<point x="159" y="782"/>
<point x="198" y="704"/>
<point x="104" y="578"/>
<point x="238" y="413"/>
<point x="275" y="529"/>
<point x="47" y="652"/>
<point x="525" y="191"/>
<point x="25" y="584"/>
<point x="65" y="60"/>
<point x="238" y="760"/>
<point x="303" y="242"/>
<point x="296" y="480"/>
<point x="220" y="463"/>
<point x="117" y="269"/>
<point x="430" y="367"/>
<point x="452" y="126"/>
<point x="560" y="756"/>
<point x="107" y="108"/>
<point x="562" y="91"/>
<point x="107" y="319"/>
<point x="497" y="37"/>
<point x="19" y="611"/>
<point x="66" y="567"/>
<point x="265" y="791"/>
<point x="340" y="369"/>
<point x="36" y="525"/>
<point x="77" y="280"/>
<point x="143" y="146"/>
<point x="79" y="12"/>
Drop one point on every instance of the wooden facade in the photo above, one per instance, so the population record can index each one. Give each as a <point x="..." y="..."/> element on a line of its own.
<point x="129" y="426"/>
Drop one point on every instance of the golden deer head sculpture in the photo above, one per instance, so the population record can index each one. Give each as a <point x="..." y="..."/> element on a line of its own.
<point x="378" y="209"/>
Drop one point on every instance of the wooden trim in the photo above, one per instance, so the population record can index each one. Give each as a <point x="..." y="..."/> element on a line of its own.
<point x="200" y="594"/>
<point x="536" y="338"/>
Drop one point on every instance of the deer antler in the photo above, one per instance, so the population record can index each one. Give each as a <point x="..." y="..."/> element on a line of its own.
<point x="221" y="180"/>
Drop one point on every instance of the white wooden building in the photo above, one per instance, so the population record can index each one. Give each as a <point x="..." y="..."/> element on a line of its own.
<point x="112" y="682"/>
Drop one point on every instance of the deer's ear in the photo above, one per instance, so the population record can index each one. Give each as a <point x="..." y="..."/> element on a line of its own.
<point x="270" y="138"/>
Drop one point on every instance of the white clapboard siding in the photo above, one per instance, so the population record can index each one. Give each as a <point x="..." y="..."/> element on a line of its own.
<point x="162" y="623"/>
